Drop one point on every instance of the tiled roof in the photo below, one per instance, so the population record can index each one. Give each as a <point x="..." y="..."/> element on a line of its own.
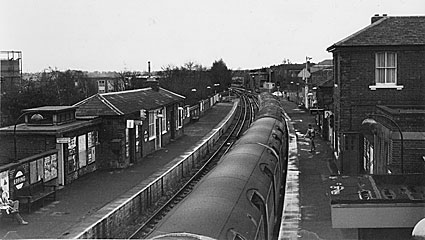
<point x="125" y="102"/>
<point x="388" y="31"/>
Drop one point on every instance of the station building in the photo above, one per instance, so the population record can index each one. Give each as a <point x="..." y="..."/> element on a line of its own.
<point x="134" y="123"/>
<point x="379" y="80"/>
<point x="59" y="144"/>
<point x="51" y="146"/>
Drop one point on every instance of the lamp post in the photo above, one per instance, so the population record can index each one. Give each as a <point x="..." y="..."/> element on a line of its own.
<point x="298" y="95"/>
<point x="208" y="91"/>
<point x="372" y="121"/>
<point x="216" y="85"/>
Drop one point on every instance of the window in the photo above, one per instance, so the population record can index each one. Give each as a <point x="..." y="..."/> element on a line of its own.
<point x="127" y="142"/>
<point x="258" y="201"/>
<point x="180" y="118"/>
<point x="386" y="71"/>
<point x="152" y="134"/>
<point x="138" y="140"/>
<point x="164" y="119"/>
<point x="101" y="85"/>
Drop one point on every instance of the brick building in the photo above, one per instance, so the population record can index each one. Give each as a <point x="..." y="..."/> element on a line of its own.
<point x="66" y="147"/>
<point x="134" y="122"/>
<point x="382" y="64"/>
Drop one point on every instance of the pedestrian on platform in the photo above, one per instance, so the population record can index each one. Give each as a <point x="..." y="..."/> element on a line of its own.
<point x="310" y="134"/>
<point x="8" y="206"/>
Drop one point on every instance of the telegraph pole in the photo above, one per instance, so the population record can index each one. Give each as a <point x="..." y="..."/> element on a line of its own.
<point x="305" y="77"/>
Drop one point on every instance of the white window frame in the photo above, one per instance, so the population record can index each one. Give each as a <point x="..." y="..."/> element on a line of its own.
<point x="385" y="68"/>
<point x="164" y="120"/>
<point x="180" y="118"/>
<point x="187" y="111"/>
<point x="152" y="125"/>
<point x="101" y="86"/>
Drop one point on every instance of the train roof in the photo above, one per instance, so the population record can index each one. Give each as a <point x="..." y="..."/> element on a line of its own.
<point x="222" y="196"/>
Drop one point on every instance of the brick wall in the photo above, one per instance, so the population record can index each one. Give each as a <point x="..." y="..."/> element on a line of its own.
<point x="354" y="72"/>
<point x="357" y="73"/>
<point x="26" y="146"/>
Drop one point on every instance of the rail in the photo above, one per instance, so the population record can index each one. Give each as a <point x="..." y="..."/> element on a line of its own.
<point x="185" y="189"/>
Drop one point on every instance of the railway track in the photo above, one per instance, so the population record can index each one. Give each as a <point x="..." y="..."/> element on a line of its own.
<point x="246" y="112"/>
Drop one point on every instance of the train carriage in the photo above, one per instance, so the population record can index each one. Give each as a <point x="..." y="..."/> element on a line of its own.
<point x="240" y="197"/>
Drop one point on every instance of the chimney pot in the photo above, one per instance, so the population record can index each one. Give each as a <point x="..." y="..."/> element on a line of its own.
<point x="376" y="17"/>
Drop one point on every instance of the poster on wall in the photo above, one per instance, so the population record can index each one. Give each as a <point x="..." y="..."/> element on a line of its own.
<point x="40" y="169"/>
<point x="90" y="139"/>
<point x="4" y="183"/>
<point x="92" y="154"/>
<point x="33" y="172"/>
<point x="54" y="166"/>
<point x="47" y="167"/>
<point x="82" y="151"/>
<point x="72" y="158"/>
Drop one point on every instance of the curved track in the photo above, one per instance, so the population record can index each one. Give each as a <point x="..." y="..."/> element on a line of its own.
<point x="245" y="117"/>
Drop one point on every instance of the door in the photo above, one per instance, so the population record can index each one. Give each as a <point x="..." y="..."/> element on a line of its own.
<point x="158" y="127"/>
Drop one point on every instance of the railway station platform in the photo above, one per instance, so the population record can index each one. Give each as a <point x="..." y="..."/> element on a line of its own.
<point x="307" y="213"/>
<point x="86" y="196"/>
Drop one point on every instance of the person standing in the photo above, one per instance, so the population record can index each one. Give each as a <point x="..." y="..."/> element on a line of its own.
<point x="310" y="134"/>
<point x="10" y="207"/>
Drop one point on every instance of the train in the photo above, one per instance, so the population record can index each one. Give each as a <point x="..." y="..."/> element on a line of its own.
<point x="241" y="197"/>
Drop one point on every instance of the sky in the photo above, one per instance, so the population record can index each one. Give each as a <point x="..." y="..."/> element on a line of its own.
<point x="109" y="35"/>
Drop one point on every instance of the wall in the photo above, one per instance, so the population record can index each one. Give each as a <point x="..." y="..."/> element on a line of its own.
<point x="26" y="146"/>
<point x="355" y="71"/>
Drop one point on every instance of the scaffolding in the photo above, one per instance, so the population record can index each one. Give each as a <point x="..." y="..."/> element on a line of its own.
<point x="10" y="77"/>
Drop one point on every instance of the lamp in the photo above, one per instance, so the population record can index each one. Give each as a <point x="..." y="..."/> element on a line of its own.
<point x="35" y="117"/>
<point x="371" y="121"/>
<point x="216" y="85"/>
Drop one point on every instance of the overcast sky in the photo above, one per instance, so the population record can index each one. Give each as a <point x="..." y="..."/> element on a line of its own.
<point x="106" y="35"/>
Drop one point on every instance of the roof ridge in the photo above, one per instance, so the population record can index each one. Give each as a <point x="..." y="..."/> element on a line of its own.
<point x="359" y="32"/>
<point x="110" y="105"/>
<point x="84" y="100"/>
<point x="166" y="90"/>
<point x="126" y="91"/>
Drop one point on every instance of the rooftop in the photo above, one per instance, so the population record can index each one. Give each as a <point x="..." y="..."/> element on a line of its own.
<point x="388" y="31"/>
<point x="126" y="102"/>
<point x="377" y="189"/>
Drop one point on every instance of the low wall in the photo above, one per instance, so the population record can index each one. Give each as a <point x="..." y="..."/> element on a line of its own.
<point x="111" y="219"/>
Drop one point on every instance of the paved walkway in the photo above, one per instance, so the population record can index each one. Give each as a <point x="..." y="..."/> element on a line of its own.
<point x="81" y="199"/>
<point x="308" y="212"/>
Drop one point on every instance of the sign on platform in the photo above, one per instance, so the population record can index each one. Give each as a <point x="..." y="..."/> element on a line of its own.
<point x="268" y="85"/>
<point x="130" y="123"/>
<point x="304" y="74"/>
<point x="63" y="140"/>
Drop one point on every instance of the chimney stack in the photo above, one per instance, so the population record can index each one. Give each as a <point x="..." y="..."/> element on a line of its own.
<point x="151" y="81"/>
<point x="376" y="17"/>
<point x="149" y="68"/>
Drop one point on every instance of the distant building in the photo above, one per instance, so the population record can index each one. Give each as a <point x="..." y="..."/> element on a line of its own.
<point x="10" y="79"/>
<point x="321" y="98"/>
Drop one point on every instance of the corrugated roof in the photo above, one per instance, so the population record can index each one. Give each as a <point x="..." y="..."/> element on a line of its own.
<point x="388" y="31"/>
<point x="125" y="102"/>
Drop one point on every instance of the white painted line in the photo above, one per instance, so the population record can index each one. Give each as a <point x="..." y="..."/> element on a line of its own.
<point x="291" y="214"/>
